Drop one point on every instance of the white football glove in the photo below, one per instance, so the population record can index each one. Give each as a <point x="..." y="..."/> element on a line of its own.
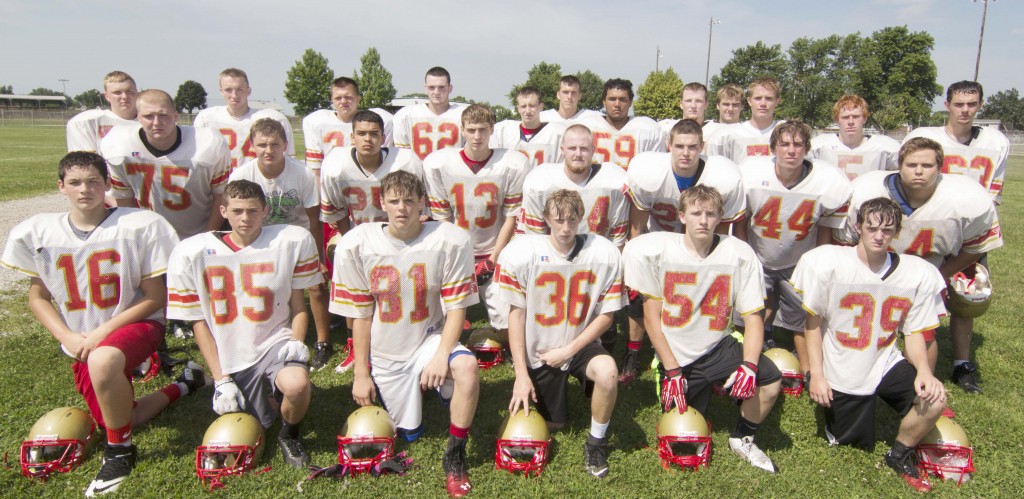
<point x="673" y="390"/>
<point x="227" y="397"/>
<point x="742" y="381"/>
<point x="294" y="351"/>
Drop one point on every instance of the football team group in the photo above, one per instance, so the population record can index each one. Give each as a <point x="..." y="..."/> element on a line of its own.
<point x="710" y="238"/>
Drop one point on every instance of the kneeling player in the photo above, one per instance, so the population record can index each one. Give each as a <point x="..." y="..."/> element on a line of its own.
<point x="563" y="289"/>
<point x="393" y="278"/>
<point x="243" y="290"/>
<point x="103" y="268"/>
<point x="691" y="283"/>
<point x="863" y="294"/>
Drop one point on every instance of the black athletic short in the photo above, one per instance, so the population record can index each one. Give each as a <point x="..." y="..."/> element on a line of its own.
<point x="551" y="383"/>
<point x="851" y="419"/>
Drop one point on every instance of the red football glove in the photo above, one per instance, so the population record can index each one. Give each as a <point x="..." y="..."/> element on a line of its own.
<point x="484" y="270"/>
<point x="673" y="390"/>
<point x="743" y="381"/>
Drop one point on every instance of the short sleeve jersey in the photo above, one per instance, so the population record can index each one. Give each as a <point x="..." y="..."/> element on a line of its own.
<point x="983" y="159"/>
<point x="698" y="296"/>
<point x="604" y="199"/>
<point x="640" y="134"/>
<point x="86" y="129"/>
<point x="740" y="141"/>
<point x="416" y="127"/>
<point x="405" y="286"/>
<point x="862" y="311"/>
<point x="561" y="297"/>
<point x="323" y="131"/>
<point x="653" y="188"/>
<point x="347" y="190"/>
<point x="236" y="130"/>
<point x="242" y="294"/>
<point x="783" y="222"/>
<point x="180" y="185"/>
<point x="288" y="195"/>
<point x="552" y="116"/>
<point x="877" y="152"/>
<point x="541" y="147"/>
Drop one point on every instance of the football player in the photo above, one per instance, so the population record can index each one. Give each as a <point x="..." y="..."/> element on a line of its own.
<point x="691" y="283"/>
<point x="292" y="199"/>
<point x="236" y="118"/>
<point x="693" y="101"/>
<point x="654" y="188"/>
<point x="750" y="138"/>
<point x="789" y="199"/>
<point x="543" y="278"/>
<point x="176" y="171"/>
<point x="618" y="137"/>
<point x="86" y="129"/>
<point x="729" y="104"/>
<point x="407" y="284"/>
<point x="350" y="184"/>
<point x="568" y="103"/>
<point x="538" y="140"/>
<point x="948" y="220"/>
<point x="97" y="286"/>
<point x="481" y="190"/>
<point x="850" y="149"/>
<point x="242" y="291"/>
<point x="856" y="299"/>
<point x="434" y="125"/>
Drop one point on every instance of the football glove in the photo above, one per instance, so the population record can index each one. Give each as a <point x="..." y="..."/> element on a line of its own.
<point x="227" y="398"/>
<point x="743" y="381"/>
<point x="294" y="351"/>
<point x="484" y="271"/>
<point x="673" y="390"/>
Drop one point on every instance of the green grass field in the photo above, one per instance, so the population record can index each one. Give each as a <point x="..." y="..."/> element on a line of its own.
<point x="37" y="378"/>
<point x="28" y="160"/>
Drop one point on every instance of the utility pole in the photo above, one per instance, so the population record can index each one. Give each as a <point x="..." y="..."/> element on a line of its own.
<point x="64" y="85"/>
<point x="711" y="26"/>
<point x="657" y="60"/>
<point x="981" y="37"/>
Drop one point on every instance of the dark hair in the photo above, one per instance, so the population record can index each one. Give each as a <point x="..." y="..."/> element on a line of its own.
<point x="889" y="213"/>
<point x="919" y="144"/>
<point x="440" y="72"/>
<point x="344" y="81"/>
<point x="82" y="159"/>
<point x="617" y="84"/>
<point x="965" y="87"/>
<point x="686" y="127"/>
<point x="794" y="128"/>
<point x="402" y="183"/>
<point x="244" y="189"/>
<point x="367" y="116"/>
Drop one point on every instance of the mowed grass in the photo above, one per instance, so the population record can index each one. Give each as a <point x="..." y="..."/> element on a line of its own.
<point x="37" y="379"/>
<point x="28" y="160"/>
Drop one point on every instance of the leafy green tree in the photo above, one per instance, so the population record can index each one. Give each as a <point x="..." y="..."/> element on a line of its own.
<point x="821" y="71"/>
<point x="749" y="63"/>
<point x="591" y="88"/>
<point x="89" y="99"/>
<point x="658" y="96"/>
<point x="938" y="118"/>
<point x="191" y="95"/>
<point x="1007" y="106"/>
<point x="6" y="89"/>
<point x="502" y="113"/>
<point x="43" y="91"/>
<point x="375" y="81"/>
<point x="308" y="84"/>
<point x="895" y="68"/>
<point x="544" y="76"/>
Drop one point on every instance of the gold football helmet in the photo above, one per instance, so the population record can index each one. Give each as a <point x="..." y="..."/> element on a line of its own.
<point x="523" y="442"/>
<point x="57" y="442"/>
<point x="792" y="378"/>
<point x="485" y="342"/>
<point x="684" y="439"/>
<point x="970" y="297"/>
<point x="367" y="439"/>
<point x="332" y="244"/>
<point x="946" y="452"/>
<point x="232" y="445"/>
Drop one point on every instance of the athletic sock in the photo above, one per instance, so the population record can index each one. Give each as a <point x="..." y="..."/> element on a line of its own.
<point x="899" y="451"/>
<point x="457" y="432"/>
<point x="957" y="363"/>
<point x="289" y="430"/>
<point x="120" y="437"/>
<point x="174" y="391"/>
<point x="744" y="428"/>
<point x="634" y="346"/>
<point x="598" y="430"/>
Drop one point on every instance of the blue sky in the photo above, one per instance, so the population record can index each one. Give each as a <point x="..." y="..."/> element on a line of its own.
<point x="487" y="45"/>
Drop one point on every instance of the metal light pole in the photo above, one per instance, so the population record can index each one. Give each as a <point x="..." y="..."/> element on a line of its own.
<point x="657" y="61"/>
<point x="984" y="13"/>
<point x="711" y="26"/>
<point x="64" y="85"/>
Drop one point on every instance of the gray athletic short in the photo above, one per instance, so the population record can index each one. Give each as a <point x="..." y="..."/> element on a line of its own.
<point x="783" y="298"/>
<point x="258" y="385"/>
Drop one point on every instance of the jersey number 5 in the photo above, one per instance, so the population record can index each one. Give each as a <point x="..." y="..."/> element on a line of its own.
<point x="714" y="304"/>
<point x="220" y="284"/>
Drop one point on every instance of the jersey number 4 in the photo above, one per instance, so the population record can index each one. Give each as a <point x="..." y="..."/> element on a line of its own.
<point x="800" y="221"/>
<point x="714" y="304"/>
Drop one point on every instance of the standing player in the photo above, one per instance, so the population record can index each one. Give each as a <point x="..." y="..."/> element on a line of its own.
<point x="236" y="118"/>
<point x="292" y="199"/>
<point x="654" y="188"/>
<point x="481" y="190"/>
<point x="551" y="337"/>
<point x="538" y="140"/>
<point x="750" y="138"/>
<point x="693" y="101"/>
<point x="856" y="299"/>
<point x="568" y="103"/>
<point x="617" y="136"/>
<point x="350" y="185"/>
<point x="729" y="105"/>
<point x="176" y="171"/>
<point x="434" y="125"/>
<point x="852" y="151"/>
<point x="691" y="283"/>
<point x="948" y="220"/>
<point x="789" y="199"/>
<point x="243" y="291"/>
<point x="97" y="286"/>
<point x="407" y="284"/>
<point x="86" y="129"/>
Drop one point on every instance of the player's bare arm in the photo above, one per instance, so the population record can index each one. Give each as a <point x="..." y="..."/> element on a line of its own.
<point x="956" y="263"/>
<point x="928" y="387"/>
<point x="363" y="390"/>
<point x="216" y="220"/>
<point x="652" y="321"/>
<point x="300" y="315"/>
<point x="821" y="393"/>
<point x="208" y="347"/>
<point x="557" y="357"/>
<point x="739" y="229"/>
<point x="40" y="302"/>
<point x="522" y="390"/>
<point x="437" y="370"/>
<point x="637" y="220"/>
<point x="508" y="229"/>
<point x="313" y="214"/>
<point x="753" y="337"/>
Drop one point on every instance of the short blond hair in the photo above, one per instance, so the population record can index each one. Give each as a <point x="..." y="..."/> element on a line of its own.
<point x="769" y="83"/>
<point x="476" y="113"/>
<point x="155" y="96"/>
<point x="564" y="202"/>
<point x="117" y="77"/>
<point x="701" y="193"/>
<point x="234" y="73"/>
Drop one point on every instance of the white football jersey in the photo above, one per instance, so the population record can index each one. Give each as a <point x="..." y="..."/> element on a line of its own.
<point x="561" y="297"/>
<point x="877" y="152"/>
<point x="179" y="185"/>
<point x="478" y="202"/>
<point x="983" y="160"/>
<point x="236" y="130"/>
<point x="288" y="195"/>
<point x="95" y="279"/>
<point x="347" y="190"/>
<point x="711" y="127"/>
<point x="242" y="294"/>
<point x="407" y="287"/>
<point x="640" y="134"/>
<point x="653" y="188"/>
<point x="958" y="216"/>
<point x="740" y="141"/>
<point x="418" y="128"/>
<point x="322" y="131"/>
<point x="542" y="147"/>
<point x="604" y="199"/>
<point x="783" y="223"/>
<point x="552" y="116"/>
<point x="862" y="312"/>
<point x="86" y="129"/>
<point x="698" y="296"/>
